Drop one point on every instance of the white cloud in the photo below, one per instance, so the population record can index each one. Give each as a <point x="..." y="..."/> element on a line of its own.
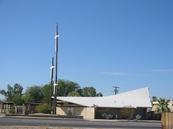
<point x="121" y="74"/>
<point x="163" y="70"/>
<point x="114" y="73"/>
<point x="137" y="74"/>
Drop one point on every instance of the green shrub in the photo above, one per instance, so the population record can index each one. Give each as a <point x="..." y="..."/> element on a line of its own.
<point x="43" y="108"/>
<point x="12" y="110"/>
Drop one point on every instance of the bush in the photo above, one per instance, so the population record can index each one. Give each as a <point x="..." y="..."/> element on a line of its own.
<point x="43" y="108"/>
<point x="12" y="110"/>
<point x="107" y="116"/>
<point x="138" y="117"/>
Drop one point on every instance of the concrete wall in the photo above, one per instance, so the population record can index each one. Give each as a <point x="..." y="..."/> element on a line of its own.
<point x="86" y="112"/>
<point x="89" y="113"/>
<point x="101" y="113"/>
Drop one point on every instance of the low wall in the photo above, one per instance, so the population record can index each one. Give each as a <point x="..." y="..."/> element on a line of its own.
<point x="167" y="120"/>
<point x="86" y="112"/>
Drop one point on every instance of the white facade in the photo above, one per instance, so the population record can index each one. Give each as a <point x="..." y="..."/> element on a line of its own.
<point x="131" y="99"/>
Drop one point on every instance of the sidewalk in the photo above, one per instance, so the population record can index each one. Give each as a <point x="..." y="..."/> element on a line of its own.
<point x="2" y="115"/>
<point x="122" y="120"/>
<point x="42" y="127"/>
<point x="43" y="117"/>
<point x="66" y="118"/>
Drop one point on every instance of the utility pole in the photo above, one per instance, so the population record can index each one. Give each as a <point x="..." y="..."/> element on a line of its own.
<point x="116" y="89"/>
<point x="56" y="70"/>
<point x="52" y="72"/>
<point x="51" y="78"/>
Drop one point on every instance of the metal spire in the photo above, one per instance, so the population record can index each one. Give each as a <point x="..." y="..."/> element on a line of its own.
<point x="56" y="28"/>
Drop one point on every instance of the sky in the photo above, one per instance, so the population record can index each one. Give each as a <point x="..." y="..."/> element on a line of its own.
<point x="102" y="43"/>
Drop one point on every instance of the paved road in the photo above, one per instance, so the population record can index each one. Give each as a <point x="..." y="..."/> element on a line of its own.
<point x="11" y="121"/>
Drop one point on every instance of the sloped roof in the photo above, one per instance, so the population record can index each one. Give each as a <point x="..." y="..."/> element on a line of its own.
<point x="135" y="98"/>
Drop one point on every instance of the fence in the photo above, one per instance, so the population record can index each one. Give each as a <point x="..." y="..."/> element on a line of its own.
<point x="167" y="120"/>
<point x="20" y="110"/>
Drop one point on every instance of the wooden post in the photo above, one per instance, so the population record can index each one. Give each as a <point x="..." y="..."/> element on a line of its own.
<point x="167" y="120"/>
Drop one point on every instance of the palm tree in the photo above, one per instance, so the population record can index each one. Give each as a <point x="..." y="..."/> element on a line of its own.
<point x="163" y="105"/>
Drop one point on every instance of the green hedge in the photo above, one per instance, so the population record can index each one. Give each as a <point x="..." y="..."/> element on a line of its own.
<point x="44" y="108"/>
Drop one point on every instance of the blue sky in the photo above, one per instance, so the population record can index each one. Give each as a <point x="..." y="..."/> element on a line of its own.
<point x="125" y="43"/>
